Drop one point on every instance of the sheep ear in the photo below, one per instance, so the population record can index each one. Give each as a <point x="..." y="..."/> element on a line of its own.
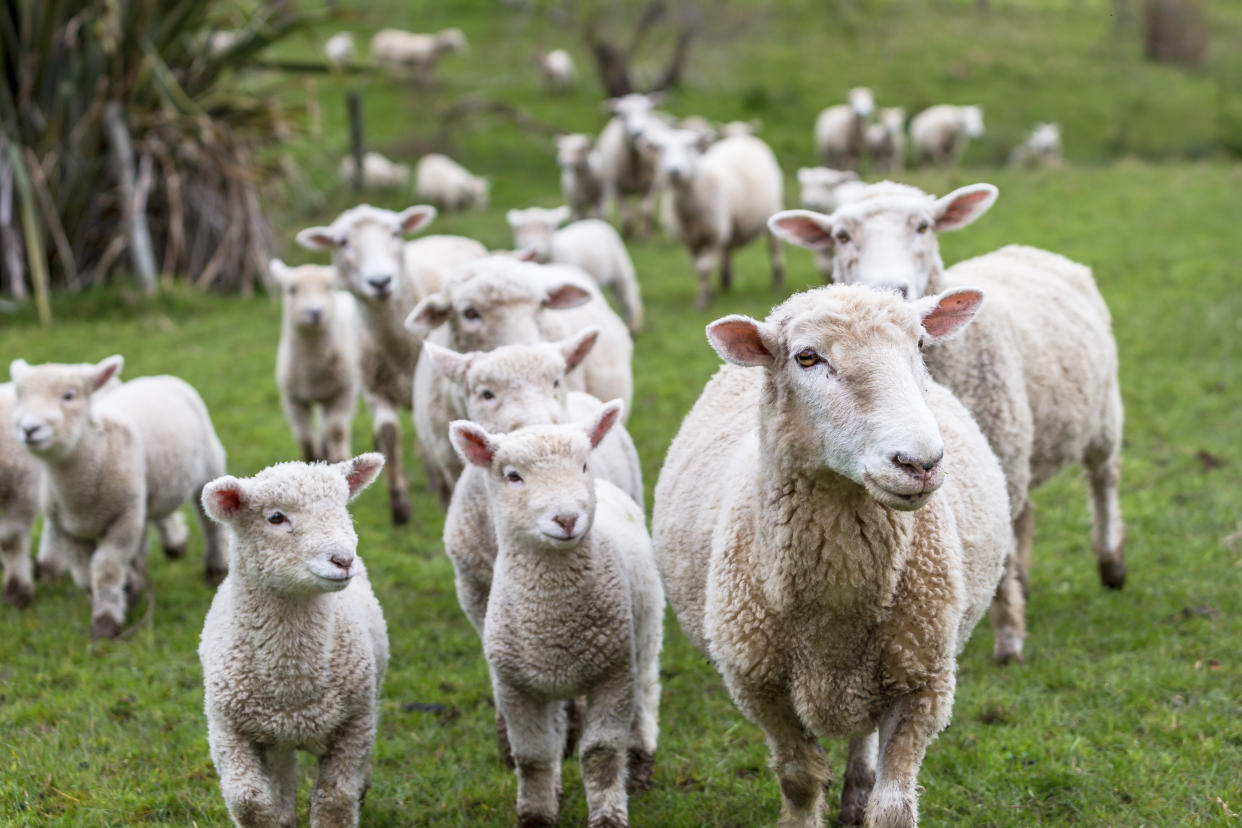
<point x="526" y="254"/>
<point x="805" y="174"/>
<point x="318" y="238"/>
<point x="561" y="214"/>
<point x="449" y="363"/>
<point x="473" y="443"/>
<point x="514" y="217"/>
<point x="413" y="219"/>
<point x="576" y="348"/>
<point x="804" y="228"/>
<point x="563" y="295"/>
<point x="429" y="314"/>
<point x="962" y="206"/>
<point x="944" y="314"/>
<point x="17" y="368"/>
<point x="224" y="498"/>
<point x="105" y="370"/>
<point x="279" y="270"/>
<point x="742" y="341"/>
<point x="361" y="471"/>
<point x="604" y="420"/>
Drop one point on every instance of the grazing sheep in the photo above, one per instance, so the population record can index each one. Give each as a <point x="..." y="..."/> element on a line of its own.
<point x="839" y="130"/>
<point x="20" y="479"/>
<point x="112" y="462"/>
<point x="1040" y="148"/>
<point x="403" y="52"/>
<point x="557" y="70"/>
<point x="885" y="140"/>
<point x="294" y="647"/>
<point x="590" y="244"/>
<point x="576" y="610"/>
<point x="448" y="185"/>
<point x="504" y="301"/>
<point x="581" y="181"/>
<point x="1038" y="369"/>
<point x="339" y="49"/>
<point x="388" y="276"/>
<point x="830" y="524"/>
<point x="940" y="133"/>
<point x="719" y="198"/>
<point x="317" y="359"/>
<point x="378" y="173"/>
<point x="627" y="164"/>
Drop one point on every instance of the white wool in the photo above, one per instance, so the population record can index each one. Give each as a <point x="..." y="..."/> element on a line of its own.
<point x="557" y="70"/>
<point x="405" y="52"/>
<point x="940" y="133"/>
<point x="448" y="185"/>
<point x="378" y="172"/>
<point x="20" y="480"/>
<point x="627" y="162"/>
<point x="839" y="130"/>
<point x="582" y="182"/>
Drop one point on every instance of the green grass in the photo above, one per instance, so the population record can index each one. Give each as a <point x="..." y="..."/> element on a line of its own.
<point x="1126" y="712"/>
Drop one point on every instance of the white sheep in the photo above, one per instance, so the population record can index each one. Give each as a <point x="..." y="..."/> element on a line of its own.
<point x="498" y="301"/>
<point x="1040" y="148"/>
<point x="590" y="244"/>
<point x="448" y="185"/>
<point x="378" y="173"/>
<point x="112" y="462"/>
<point x="576" y="610"/>
<point x="1038" y="369"/>
<point x="700" y="126"/>
<point x="388" y="276"/>
<point x="719" y="198"/>
<point x="582" y="183"/>
<point x="339" y="49"/>
<point x="20" y="480"/>
<point x="830" y="524"/>
<point x="294" y="647"/>
<point x="940" y="133"/>
<point x="401" y="52"/>
<point x="839" y="130"/>
<point x="557" y="70"/>
<point x="731" y="128"/>
<point x="317" y="359"/>
<point x="885" y="140"/>
<point x="627" y="164"/>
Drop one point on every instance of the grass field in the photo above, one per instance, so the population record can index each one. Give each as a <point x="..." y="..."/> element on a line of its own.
<point x="1127" y="710"/>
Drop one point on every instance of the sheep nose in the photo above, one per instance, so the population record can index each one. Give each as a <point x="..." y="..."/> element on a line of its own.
<point x="313" y="316"/>
<point x="342" y="560"/>
<point x="30" y="430"/>
<point x="380" y="282"/>
<point x="566" y="522"/>
<point x="919" y="467"/>
<point x="900" y="288"/>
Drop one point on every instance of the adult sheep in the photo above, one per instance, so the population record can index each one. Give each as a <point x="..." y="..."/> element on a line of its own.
<point x="626" y="164"/>
<point x="940" y="133"/>
<point x="830" y="525"/>
<point x="1038" y="369"/>
<point x="839" y="130"/>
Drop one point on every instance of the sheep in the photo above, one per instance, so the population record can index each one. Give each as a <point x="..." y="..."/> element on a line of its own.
<point x="829" y="528"/>
<point x="112" y="462"/>
<point x="339" y="49"/>
<point x="581" y="181"/>
<point x="317" y="359"/>
<point x="400" y="51"/>
<point x="719" y="198"/>
<point x="20" y="480"/>
<point x="557" y="70"/>
<point x="839" y="130"/>
<point x="590" y="244"/>
<point x="576" y="610"/>
<point x="1038" y="369"/>
<point x="448" y="185"/>
<point x="731" y="128"/>
<point x="387" y="277"/>
<point x="1040" y="148"/>
<point x="700" y="126"/>
<point x="627" y="165"/>
<point x="378" y="173"/>
<point x="940" y="133"/>
<point x="294" y="647"/>
<point x="885" y="141"/>
<point x="498" y="301"/>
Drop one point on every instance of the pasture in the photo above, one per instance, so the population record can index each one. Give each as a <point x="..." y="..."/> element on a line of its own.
<point x="1126" y="711"/>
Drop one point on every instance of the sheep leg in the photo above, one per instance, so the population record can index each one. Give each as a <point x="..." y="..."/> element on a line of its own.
<point x="609" y="717"/>
<point x="111" y="563"/>
<point x="646" y="727"/>
<point x="776" y="256"/>
<point x="704" y="264"/>
<point x="1009" y="606"/>
<point x="18" y="566"/>
<point x="536" y="733"/>
<point x="336" y="418"/>
<point x="794" y="756"/>
<point x="249" y="793"/>
<point x="906" y="729"/>
<point x="1109" y="533"/>
<point x="282" y="765"/>
<point x="300" y="420"/>
<point x="173" y="533"/>
<point x="625" y="210"/>
<point x="647" y="205"/>
<point x="58" y="551"/>
<point x="343" y="775"/>
<point x="859" y="777"/>
<point x="215" y="553"/>
<point x="726" y="269"/>
<point x="136" y="576"/>
<point x="1024" y="538"/>
<point x="387" y="430"/>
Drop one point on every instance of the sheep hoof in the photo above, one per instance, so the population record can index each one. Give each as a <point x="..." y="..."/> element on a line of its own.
<point x="17" y="594"/>
<point x="608" y="821"/>
<point x="174" y="552"/>
<point x="104" y="626"/>
<point x="1113" y="573"/>
<point x="45" y="571"/>
<point x="1007" y="650"/>
<point x="641" y="765"/>
<point x="536" y="821"/>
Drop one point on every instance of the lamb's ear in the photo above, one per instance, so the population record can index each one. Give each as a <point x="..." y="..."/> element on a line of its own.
<point x="563" y="295"/>
<point x="576" y="347"/>
<point x="104" y="370"/>
<point x="449" y="363"/>
<point x="605" y="419"/>
<point x="413" y="219"/>
<point x="278" y="270"/>
<point x="947" y="313"/>
<point x="742" y="341"/>
<point x="526" y="254"/>
<point x="561" y="214"/>
<point x="472" y="443"/>
<point x="805" y="228"/>
<point x="224" y="498"/>
<point x="805" y="174"/>
<point x="361" y="471"/>
<point x="962" y="206"/>
<point x="18" y="367"/>
<point x="429" y="314"/>
<point x="318" y="238"/>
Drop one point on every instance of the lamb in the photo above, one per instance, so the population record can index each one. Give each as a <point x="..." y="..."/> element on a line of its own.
<point x="20" y="480"/>
<point x="387" y="277"/>
<point x="294" y="647"/>
<point x="400" y="51"/>
<point x="885" y="140"/>
<point x="839" y="130"/>
<point x="830" y="525"/>
<point x="940" y="133"/>
<point x="1040" y="148"/>
<point x="719" y="198"/>
<point x="590" y="244"/>
<point x="581" y="181"/>
<point x="339" y="49"/>
<point x="576" y="610"/>
<point x="378" y="173"/>
<point x="317" y="359"/>
<point x="627" y="166"/>
<point x="498" y="301"/>
<point x="1038" y="369"/>
<point x="112" y="462"/>
<point x="558" y="72"/>
<point x="448" y="185"/>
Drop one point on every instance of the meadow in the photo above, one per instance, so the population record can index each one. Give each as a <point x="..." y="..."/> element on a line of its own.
<point x="1127" y="709"/>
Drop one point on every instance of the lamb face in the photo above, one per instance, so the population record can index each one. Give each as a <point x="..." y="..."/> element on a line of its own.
<point x="308" y="293"/>
<point x="634" y="110"/>
<point x="862" y="101"/>
<point x="367" y="247"/>
<point x="53" y="405"/>
<point x="533" y="229"/>
<point x="573" y="149"/>
<point x="680" y="151"/>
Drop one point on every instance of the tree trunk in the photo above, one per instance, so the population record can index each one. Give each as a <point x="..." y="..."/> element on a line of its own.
<point x="133" y="198"/>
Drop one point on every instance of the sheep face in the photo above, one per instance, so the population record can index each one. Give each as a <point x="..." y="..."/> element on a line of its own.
<point x="886" y="238"/>
<point x="294" y="534"/>
<point x="533" y="229"/>
<point x="846" y="384"/>
<point x="680" y="151"/>
<point x="53" y="408"/>
<point x="862" y="101"/>
<point x="308" y="293"/>
<point x="451" y="40"/>
<point x="892" y="118"/>
<point x="634" y="111"/>
<point x="367" y="249"/>
<point x="972" y="121"/>
<point x="573" y="150"/>
<point x="539" y="478"/>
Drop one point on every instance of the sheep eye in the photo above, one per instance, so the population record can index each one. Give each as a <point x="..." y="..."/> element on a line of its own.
<point x="807" y="358"/>
<point x="342" y="242"/>
<point x="584" y="465"/>
<point x="513" y="477"/>
<point x="277" y="518"/>
<point x="922" y="228"/>
<point x="293" y="291"/>
<point x="843" y="237"/>
<point x="470" y="313"/>
<point x="68" y="395"/>
<point x="556" y="383"/>
<point x="920" y="343"/>
<point x="487" y="395"/>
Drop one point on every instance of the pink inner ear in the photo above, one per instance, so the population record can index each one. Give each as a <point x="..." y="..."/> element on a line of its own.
<point x="475" y="446"/>
<point x="228" y="501"/>
<point x="566" y="296"/>
<point x="962" y="209"/>
<point x="951" y="313"/>
<point x="415" y="220"/>
<point x="803" y="230"/>
<point x="602" y="427"/>
<point x="740" y="340"/>
<point x="580" y="351"/>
